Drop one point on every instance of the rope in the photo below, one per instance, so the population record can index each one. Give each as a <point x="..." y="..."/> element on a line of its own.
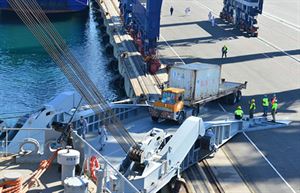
<point x="44" y="165"/>
<point x="12" y="186"/>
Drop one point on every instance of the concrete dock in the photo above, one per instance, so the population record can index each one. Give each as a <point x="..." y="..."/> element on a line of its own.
<point x="131" y="64"/>
<point x="270" y="64"/>
<point x="266" y="161"/>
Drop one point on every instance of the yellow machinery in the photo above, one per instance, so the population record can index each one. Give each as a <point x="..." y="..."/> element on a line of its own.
<point x="170" y="106"/>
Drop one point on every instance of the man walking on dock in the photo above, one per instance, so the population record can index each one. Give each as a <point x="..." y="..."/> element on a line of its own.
<point x="265" y="104"/>
<point x="224" y="51"/>
<point x="171" y="10"/>
<point x="252" y="108"/>
<point x="209" y="16"/>
<point x="213" y="22"/>
<point x="187" y="11"/>
<point x="274" y="109"/>
<point x="273" y="99"/>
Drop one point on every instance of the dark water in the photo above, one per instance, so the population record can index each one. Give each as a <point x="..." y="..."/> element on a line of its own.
<point x="28" y="76"/>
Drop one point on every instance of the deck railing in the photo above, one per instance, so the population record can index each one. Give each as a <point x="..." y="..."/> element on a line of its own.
<point x="32" y="140"/>
<point x="112" y="177"/>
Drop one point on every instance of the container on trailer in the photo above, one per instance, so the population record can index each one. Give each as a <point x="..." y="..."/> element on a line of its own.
<point x="199" y="80"/>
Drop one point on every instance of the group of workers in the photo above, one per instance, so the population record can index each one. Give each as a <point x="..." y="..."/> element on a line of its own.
<point x="239" y="113"/>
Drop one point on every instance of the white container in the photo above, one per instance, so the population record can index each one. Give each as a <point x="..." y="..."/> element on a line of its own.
<point x="199" y="80"/>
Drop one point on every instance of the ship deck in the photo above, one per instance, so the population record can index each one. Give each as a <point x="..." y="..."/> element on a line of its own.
<point x="48" y="183"/>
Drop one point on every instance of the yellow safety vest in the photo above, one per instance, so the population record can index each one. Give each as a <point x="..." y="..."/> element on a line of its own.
<point x="239" y="112"/>
<point x="252" y="106"/>
<point x="265" y="102"/>
<point x="274" y="106"/>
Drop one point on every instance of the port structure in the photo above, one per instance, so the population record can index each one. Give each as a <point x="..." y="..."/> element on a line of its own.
<point x="132" y="65"/>
<point x="142" y="21"/>
<point x="243" y="13"/>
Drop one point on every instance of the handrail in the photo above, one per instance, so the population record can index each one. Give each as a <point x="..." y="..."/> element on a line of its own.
<point x="107" y="162"/>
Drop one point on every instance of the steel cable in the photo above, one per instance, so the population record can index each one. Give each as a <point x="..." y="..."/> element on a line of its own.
<point x="41" y="27"/>
<point x="83" y="76"/>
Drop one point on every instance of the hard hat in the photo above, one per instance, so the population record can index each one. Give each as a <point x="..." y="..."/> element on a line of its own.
<point x="239" y="107"/>
<point x="265" y="96"/>
<point x="253" y="100"/>
<point x="274" y="95"/>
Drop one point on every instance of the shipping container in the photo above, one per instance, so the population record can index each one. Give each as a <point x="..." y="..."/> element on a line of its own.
<point x="198" y="79"/>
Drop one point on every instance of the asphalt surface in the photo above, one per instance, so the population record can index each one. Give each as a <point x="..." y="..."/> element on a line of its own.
<point x="270" y="64"/>
<point x="281" y="149"/>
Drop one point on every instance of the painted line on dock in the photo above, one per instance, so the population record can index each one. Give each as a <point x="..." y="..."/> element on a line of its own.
<point x="281" y="21"/>
<point x="265" y="158"/>
<point x="172" y="49"/>
<point x="207" y="8"/>
<point x="272" y="166"/>
<point x="277" y="48"/>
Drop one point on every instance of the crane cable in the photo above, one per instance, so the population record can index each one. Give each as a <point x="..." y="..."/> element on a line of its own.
<point x="114" y="127"/>
<point x="41" y="27"/>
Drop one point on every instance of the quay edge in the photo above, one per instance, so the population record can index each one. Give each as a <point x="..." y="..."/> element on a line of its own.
<point x="114" y="29"/>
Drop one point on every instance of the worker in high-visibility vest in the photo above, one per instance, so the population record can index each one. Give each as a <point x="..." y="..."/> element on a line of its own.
<point x="238" y="113"/>
<point x="265" y="104"/>
<point x="273" y="99"/>
<point x="224" y="51"/>
<point x="252" y="108"/>
<point x="274" y="109"/>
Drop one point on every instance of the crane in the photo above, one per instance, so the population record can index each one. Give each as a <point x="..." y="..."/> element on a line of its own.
<point x="243" y="13"/>
<point x="142" y="20"/>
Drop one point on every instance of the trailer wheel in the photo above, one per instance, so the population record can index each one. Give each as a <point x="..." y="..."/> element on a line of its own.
<point x="181" y="118"/>
<point x="154" y="119"/>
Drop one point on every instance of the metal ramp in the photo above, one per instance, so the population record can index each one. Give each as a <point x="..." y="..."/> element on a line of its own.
<point x="224" y="131"/>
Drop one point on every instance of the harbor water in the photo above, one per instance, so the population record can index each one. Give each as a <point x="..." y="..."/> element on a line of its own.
<point x="28" y="76"/>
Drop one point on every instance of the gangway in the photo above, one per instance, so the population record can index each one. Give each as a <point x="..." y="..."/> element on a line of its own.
<point x="162" y="156"/>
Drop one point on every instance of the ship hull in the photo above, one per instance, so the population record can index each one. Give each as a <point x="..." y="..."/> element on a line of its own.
<point x="53" y="6"/>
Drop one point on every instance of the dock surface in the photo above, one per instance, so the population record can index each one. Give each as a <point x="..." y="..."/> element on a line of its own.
<point x="270" y="64"/>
